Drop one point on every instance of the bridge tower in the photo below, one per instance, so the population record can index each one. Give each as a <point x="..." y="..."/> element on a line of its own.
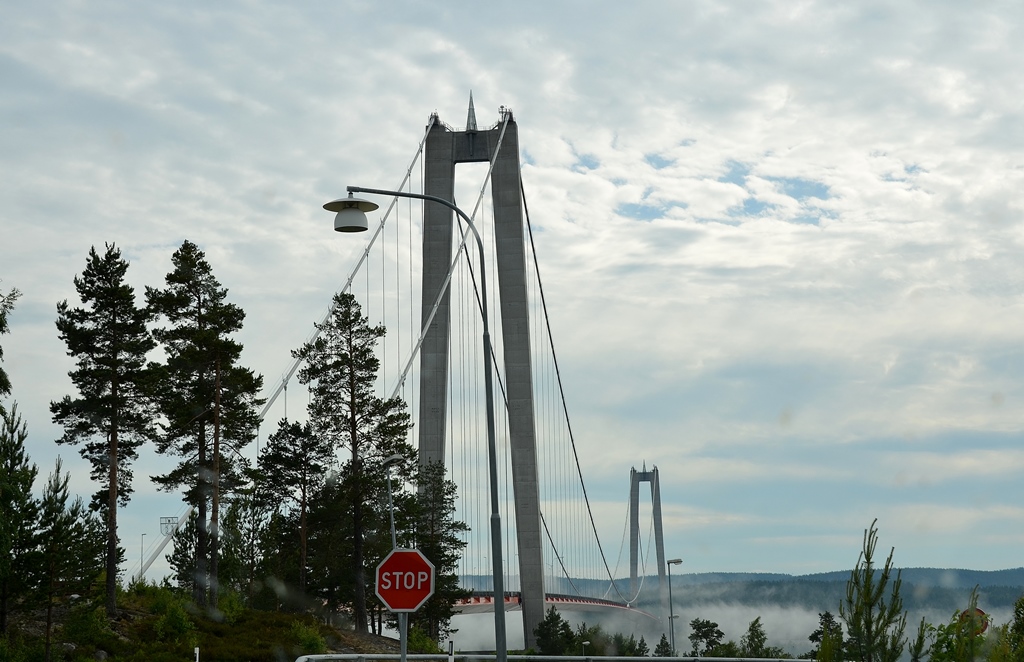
<point x="635" y="478"/>
<point x="444" y="148"/>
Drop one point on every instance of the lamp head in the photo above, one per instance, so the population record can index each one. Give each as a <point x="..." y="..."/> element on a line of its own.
<point x="351" y="213"/>
<point x="674" y="561"/>
<point x="393" y="460"/>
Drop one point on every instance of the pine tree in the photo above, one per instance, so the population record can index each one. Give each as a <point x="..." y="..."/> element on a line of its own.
<point x="110" y="417"/>
<point x="182" y="557"/>
<point x="705" y="636"/>
<point x="293" y="463"/>
<point x="554" y="634"/>
<point x="207" y="400"/>
<point x="340" y="370"/>
<point x="875" y="623"/>
<point x="441" y="538"/>
<point x="70" y="546"/>
<point x="18" y="511"/>
<point x="6" y="305"/>
<point x="664" y="649"/>
<point x="245" y="526"/>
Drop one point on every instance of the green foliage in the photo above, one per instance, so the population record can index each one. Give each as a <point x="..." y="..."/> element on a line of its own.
<point x="755" y="641"/>
<point x="600" y="642"/>
<point x="309" y="639"/>
<point x="293" y="463"/>
<point x="705" y="636"/>
<point x="208" y="401"/>
<point x="174" y="624"/>
<point x="828" y="629"/>
<point x="340" y="371"/>
<point x="664" y="649"/>
<point x="962" y="639"/>
<point x="441" y="538"/>
<point x="110" y="418"/>
<point x="831" y="646"/>
<point x="1015" y="631"/>
<point x="87" y="626"/>
<point x="875" y="622"/>
<point x="6" y="306"/>
<point x="554" y="634"/>
<point x="624" y="646"/>
<point x="18" y="512"/>
<point x="421" y="642"/>
<point x="15" y="648"/>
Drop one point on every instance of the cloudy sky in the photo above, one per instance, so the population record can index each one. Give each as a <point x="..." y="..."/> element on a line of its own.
<point x="781" y="241"/>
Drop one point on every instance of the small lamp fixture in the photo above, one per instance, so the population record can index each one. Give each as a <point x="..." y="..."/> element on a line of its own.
<point x="351" y="213"/>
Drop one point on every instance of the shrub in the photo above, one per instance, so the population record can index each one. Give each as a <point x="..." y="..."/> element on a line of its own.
<point x="308" y="638"/>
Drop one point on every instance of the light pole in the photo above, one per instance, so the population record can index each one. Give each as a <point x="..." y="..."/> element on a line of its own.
<point x="351" y="217"/>
<point x="671" y="615"/>
<point x="585" y="643"/>
<point x="403" y="618"/>
<point x="142" y="557"/>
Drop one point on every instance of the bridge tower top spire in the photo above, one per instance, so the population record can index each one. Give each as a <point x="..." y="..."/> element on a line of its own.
<point x="471" y="116"/>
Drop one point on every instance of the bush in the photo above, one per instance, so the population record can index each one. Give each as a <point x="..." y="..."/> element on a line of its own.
<point x="308" y="638"/>
<point x="87" y="626"/>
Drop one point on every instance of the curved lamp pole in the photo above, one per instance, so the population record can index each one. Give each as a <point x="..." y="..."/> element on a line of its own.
<point x="671" y="616"/>
<point x="351" y="217"/>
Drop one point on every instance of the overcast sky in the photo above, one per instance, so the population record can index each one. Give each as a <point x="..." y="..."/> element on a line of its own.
<point x="781" y="241"/>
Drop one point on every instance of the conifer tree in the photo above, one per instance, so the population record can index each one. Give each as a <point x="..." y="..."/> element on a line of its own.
<point x="6" y="305"/>
<point x="208" y="401"/>
<point x="243" y="531"/>
<point x="554" y="634"/>
<point x="875" y="622"/>
<point x="110" y="418"/>
<point x="70" y="546"/>
<point x="341" y="370"/>
<point x="664" y="649"/>
<point x="293" y="464"/>
<point x="18" y="511"/>
<point x="441" y="538"/>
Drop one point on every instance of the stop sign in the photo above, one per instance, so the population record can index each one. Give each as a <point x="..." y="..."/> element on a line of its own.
<point x="405" y="580"/>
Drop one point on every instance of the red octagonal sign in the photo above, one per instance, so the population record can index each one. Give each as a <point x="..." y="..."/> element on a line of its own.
<point x="405" y="580"/>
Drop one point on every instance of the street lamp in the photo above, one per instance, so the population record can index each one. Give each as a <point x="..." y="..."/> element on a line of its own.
<point x="351" y="217"/>
<point x="403" y="618"/>
<point x="671" y="616"/>
<point x="585" y="644"/>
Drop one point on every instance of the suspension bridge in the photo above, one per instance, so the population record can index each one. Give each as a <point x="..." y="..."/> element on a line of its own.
<point x="417" y="278"/>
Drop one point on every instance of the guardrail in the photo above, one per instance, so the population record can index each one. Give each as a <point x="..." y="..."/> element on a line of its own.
<point x="483" y="657"/>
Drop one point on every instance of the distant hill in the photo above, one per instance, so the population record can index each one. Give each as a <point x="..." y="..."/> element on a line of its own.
<point x="943" y="589"/>
<point x="941" y="577"/>
<point x="923" y="588"/>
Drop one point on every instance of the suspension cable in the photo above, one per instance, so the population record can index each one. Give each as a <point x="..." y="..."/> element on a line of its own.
<point x="348" y="283"/>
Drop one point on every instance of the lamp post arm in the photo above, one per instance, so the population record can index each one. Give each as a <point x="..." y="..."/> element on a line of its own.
<point x="462" y="215"/>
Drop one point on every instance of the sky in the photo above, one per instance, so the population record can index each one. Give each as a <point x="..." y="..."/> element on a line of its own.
<point x="780" y="241"/>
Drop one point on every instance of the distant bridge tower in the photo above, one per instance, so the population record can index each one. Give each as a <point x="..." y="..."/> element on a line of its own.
<point x="635" y="478"/>
<point x="444" y="149"/>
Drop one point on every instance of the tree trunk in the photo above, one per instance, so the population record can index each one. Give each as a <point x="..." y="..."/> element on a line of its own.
<point x="359" y="597"/>
<point x="215" y="511"/>
<point x="199" y="588"/>
<point x="111" y="598"/>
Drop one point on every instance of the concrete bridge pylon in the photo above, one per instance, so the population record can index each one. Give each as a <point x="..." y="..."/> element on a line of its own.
<point x="446" y="147"/>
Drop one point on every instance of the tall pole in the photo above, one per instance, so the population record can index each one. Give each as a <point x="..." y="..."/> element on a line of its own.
<point x="142" y="557"/>
<point x="671" y="615"/>
<point x="403" y="618"/>
<point x="497" y="564"/>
